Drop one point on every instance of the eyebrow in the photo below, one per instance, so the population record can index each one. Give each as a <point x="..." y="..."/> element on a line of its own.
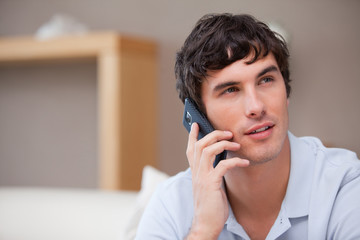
<point x="271" y="68"/>
<point x="224" y="85"/>
<point x="221" y="86"/>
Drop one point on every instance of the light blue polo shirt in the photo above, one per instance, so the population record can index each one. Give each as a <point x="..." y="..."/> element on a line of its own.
<point x="322" y="200"/>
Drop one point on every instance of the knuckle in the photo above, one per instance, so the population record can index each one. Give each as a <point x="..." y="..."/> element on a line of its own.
<point x="198" y="145"/>
<point x="207" y="151"/>
<point x="188" y="151"/>
<point x="189" y="154"/>
<point x="224" y="164"/>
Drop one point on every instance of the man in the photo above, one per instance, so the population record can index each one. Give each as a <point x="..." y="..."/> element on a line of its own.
<point x="272" y="185"/>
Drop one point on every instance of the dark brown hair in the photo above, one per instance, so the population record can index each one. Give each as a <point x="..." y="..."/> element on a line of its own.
<point x="219" y="40"/>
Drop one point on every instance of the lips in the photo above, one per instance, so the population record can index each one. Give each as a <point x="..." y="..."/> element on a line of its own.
<point x="259" y="128"/>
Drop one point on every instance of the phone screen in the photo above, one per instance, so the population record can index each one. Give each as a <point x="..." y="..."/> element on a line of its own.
<point x="193" y="114"/>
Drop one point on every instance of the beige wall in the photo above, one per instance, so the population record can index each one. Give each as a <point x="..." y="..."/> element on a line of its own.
<point x="58" y="103"/>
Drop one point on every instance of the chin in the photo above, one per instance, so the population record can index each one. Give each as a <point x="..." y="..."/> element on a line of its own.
<point x="262" y="154"/>
<point x="262" y="158"/>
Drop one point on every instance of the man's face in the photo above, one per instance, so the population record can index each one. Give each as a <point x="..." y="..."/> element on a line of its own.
<point x="250" y="101"/>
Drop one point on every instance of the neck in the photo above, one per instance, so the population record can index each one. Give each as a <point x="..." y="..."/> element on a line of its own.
<point x="262" y="187"/>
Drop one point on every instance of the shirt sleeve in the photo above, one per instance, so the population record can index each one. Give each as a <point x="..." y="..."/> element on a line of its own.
<point x="170" y="211"/>
<point x="156" y="222"/>
<point x="345" y="217"/>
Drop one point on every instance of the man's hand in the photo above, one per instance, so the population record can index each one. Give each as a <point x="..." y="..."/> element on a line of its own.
<point x="210" y="202"/>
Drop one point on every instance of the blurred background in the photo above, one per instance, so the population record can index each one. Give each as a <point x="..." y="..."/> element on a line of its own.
<point x="48" y="116"/>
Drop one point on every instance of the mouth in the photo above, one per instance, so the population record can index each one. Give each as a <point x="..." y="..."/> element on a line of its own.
<point x="259" y="129"/>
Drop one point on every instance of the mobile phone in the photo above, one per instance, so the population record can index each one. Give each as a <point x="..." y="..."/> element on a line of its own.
<point x="193" y="114"/>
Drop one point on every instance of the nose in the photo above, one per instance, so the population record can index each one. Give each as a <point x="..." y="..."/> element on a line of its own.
<point x="254" y="105"/>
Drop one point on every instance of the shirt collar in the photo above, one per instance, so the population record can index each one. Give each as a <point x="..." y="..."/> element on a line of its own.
<point x="232" y="225"/>
<point x="297" y="198"/>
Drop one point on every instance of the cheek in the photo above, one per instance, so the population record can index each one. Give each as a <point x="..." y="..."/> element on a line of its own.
<point x="282" y="110"/>
<point x="221" y="118"/>
<point x="281" y="107"/>
<point x="280" y="102"/>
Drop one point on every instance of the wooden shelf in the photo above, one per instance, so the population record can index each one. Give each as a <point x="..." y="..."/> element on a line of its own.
<point x="127" y="91"/>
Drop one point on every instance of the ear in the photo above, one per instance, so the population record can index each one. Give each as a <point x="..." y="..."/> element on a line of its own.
<point x="287" y="102"/>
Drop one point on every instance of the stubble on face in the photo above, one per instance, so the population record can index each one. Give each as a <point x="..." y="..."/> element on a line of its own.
<point x="263" y="155"/>
<point x="275" y="110"/>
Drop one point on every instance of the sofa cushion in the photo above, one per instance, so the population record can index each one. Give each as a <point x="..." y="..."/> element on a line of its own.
<point x="151" y="178"/>
<point x="44" y="213"/>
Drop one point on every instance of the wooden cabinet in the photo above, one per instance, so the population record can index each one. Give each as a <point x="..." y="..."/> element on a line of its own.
<point x="127" y="91"/>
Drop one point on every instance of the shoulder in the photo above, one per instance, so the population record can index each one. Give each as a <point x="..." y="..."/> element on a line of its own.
<point x="334" y="210"/>
<point x="170" y="210"/>
<point x="327" y="159"/>
<point x="173" y="193"/>
<point x="179" y="183"/>
<point x="176" y="195"/>
<point x="334" y="167"/>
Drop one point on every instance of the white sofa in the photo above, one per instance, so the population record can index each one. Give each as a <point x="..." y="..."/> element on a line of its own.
<point x="53" y="213"/>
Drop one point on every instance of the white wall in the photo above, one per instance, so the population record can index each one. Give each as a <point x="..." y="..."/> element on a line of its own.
<point x="324" y="59"/>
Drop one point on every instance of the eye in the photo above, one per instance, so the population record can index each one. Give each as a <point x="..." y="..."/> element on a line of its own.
<point x="231" y="90"/>
<point x="266" y="80"/>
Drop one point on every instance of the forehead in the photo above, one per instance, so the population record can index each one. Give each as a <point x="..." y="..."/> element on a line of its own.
<point x="241" y="70"/>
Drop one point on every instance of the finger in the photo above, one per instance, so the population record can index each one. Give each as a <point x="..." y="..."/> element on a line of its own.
<point x="212" y="138"/>
<point x="190" y="151"/>
<point x="206" y="144"/>
<point x="216" y="136"/>
<point x="228" y="164"/>
<point x="210" y="152"/>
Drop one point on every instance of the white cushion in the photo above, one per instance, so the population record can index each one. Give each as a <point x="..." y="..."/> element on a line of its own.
<point x="43" y="214"/>
<point x="74" y="214"/>
<point x="151" y="178"/>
